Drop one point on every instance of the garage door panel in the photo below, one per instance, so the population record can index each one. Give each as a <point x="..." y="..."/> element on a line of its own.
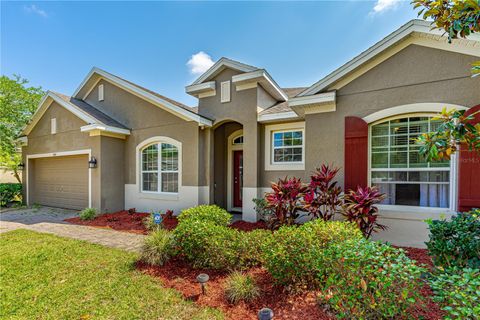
<point x="61" y="182"/>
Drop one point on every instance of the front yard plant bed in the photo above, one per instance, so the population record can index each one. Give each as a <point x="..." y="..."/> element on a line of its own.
<point x="179" y="275"/>
<point x="133" y="222"/>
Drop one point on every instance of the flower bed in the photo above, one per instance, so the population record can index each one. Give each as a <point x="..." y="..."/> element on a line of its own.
<point x="177" y="274"/>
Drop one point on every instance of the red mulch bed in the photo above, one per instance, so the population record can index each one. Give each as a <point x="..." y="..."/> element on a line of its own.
<point x="133" y="222"/>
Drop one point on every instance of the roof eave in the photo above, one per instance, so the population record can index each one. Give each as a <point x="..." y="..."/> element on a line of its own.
<point x="264" y="79"/>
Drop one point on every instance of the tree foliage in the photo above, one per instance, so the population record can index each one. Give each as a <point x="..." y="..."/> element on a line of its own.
<point x="456" y="129"/>
<point x="459" y="18"/>
<point x="18" y="102"/>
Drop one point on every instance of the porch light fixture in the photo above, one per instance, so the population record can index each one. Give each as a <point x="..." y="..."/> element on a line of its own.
<point x="92" y="163"/>
<point x="203" y="278"/>
<point x="21" y="166"/>
<point x="265" y="314"/>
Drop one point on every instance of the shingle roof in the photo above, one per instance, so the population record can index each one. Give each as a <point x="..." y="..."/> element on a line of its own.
<point x="91" y="110"/>
<point x="283" y="106"/>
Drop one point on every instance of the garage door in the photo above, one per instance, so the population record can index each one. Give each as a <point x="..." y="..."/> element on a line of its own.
<point x="60" y="182"/>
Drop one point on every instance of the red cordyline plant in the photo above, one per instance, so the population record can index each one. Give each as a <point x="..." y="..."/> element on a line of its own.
<point x="285" y="201"/>
<point x="359" y="207"/>
<point x="323" y="197"/>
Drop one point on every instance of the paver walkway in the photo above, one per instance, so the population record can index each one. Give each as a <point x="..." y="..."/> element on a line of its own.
<point x="50" y="220"/>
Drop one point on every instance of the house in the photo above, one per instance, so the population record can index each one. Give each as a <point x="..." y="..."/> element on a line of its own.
<point x="114" y="144"/>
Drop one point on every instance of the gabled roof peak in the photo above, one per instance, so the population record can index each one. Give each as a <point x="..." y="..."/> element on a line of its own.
<point x="220" y="65"/>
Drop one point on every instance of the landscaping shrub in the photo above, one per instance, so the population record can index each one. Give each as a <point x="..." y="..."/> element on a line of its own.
<point x="323" y="197"/>
<point x="88" y="214"/>
<point x="210" y="213"/>
<point x="285" y="201"/>
<point x="158" y="247"/>
<point x="10" y="192"/>
<point x="261" y="208"/>
<point x="359" y="207"/>
<point x="208" y="245"/>
<point x="369" y="280"/>
<point x="293" y="255"/>
<point x="456" y="242"/>
<point x="241" y="287"/>
<point x="458" y="291"/>
<point x="150" y="224"/>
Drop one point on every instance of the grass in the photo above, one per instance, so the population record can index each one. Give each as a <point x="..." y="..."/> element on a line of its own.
<point x="47" y="277"/>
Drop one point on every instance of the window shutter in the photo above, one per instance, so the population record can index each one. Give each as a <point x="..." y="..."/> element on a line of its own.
<point x="100" y="93"/>
<point x="356" y="153"/>
<point x="469" y="173"/>
<point x="225" y="91"/>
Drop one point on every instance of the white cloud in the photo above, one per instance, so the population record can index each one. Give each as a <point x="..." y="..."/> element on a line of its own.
<point x="36" y="10"/>
<point x="384" y="5"/>
<point x="200" y="62"/>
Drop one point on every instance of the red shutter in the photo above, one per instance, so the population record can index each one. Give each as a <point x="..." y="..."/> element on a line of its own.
<point x="356" y="153"/>
<point x="469" y="173"/>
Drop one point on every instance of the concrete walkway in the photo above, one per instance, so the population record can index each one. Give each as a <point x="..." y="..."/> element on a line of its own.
<point x="50" y="220"/>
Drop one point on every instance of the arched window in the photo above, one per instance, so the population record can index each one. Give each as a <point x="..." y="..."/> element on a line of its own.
<point x="159" y="168"/>
<point x="397" y="168"/>
<point x="238" y="140"/>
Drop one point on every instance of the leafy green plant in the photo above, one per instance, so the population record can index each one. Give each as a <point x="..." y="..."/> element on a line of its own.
<point x="261" y="208"/>
<point x="10" y="192"/>
<point x="249" y="247"/>
<point x="369" y="280"/>
<point x="285" y="201"/>
<point x="150" y="224"/>
<point x="456" y="129"/>
<point x="241" y="287"/>
<point x="158" y="247"/>
<point x="88" y="214"/>
<point x="210" y="213"/>
<point x="458" y="291"/>
<point x="359" y="208"/>
<point x="456" y="242"/>
<point x="323" y="197"/>
<point x="293" y="255"/>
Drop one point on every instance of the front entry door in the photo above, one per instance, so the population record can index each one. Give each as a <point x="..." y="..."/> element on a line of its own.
<point x="237" y="178"/>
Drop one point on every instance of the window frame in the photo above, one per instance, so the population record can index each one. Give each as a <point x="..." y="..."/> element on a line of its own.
<point x="273" y="147"/>
<point x="452" y="169"/>
<point x="158" y="141"/>
<point x="270" y="164"/>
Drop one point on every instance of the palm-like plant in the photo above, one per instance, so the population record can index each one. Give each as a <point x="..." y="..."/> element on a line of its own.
<point x="323" y="197"/>
<point x="359" y="207"/>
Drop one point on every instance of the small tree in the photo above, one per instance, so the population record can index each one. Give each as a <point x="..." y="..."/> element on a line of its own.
<point x="17" y="104"/>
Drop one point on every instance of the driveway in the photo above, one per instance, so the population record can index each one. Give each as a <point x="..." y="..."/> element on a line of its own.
<point x="50" y="220"/>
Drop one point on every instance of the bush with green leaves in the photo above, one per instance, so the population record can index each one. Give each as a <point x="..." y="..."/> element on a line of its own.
<point x="158" y="247"/>
<point x="88" y="214"/>
<point x="458" y="292"/>
<point x="294" y="254"/>
<point x="241" y="287"/>
<point x="208" y="245"/>
<point x="456" y="242"/>
<point x="369" y="280"/>
<point x="10" y="192"/>
<point x="211" y="213"/>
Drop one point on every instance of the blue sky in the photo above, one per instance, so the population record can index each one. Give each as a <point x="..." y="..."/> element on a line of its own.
<point x="55" y="44"/>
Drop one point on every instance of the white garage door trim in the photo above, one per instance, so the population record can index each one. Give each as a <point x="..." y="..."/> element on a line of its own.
<point x="61" y="154"/>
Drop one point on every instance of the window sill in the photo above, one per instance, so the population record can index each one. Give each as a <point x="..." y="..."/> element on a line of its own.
<point x="413" y="213"/>
<point x="285" y="167"/>
<point x="158" y="196"/>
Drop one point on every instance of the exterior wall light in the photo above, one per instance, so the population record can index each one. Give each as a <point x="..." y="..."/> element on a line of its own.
<point x="21" y="166"/>
<point x="92" y="163"/>
<point x="203" y="278"/>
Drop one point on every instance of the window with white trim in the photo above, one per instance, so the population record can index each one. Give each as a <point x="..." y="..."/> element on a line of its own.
<point x="238" y="140"/>
<point x="399" y="171"/>
<point x="287" y="146"/>
<point x="159" y="168"/>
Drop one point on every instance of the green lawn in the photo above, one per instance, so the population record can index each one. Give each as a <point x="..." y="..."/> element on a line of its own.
<point x="47" y="277"/>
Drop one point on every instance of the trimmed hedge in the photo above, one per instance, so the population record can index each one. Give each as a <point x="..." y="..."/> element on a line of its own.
<point x="211" y="213"/>
<point x="294" y="255"/>
<point x="369" y="280"/>
<point x="456" y="242"/>
<point x="10" y="192"/>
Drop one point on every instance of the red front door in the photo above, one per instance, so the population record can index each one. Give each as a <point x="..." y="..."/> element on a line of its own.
<point x="237" y="178"/>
